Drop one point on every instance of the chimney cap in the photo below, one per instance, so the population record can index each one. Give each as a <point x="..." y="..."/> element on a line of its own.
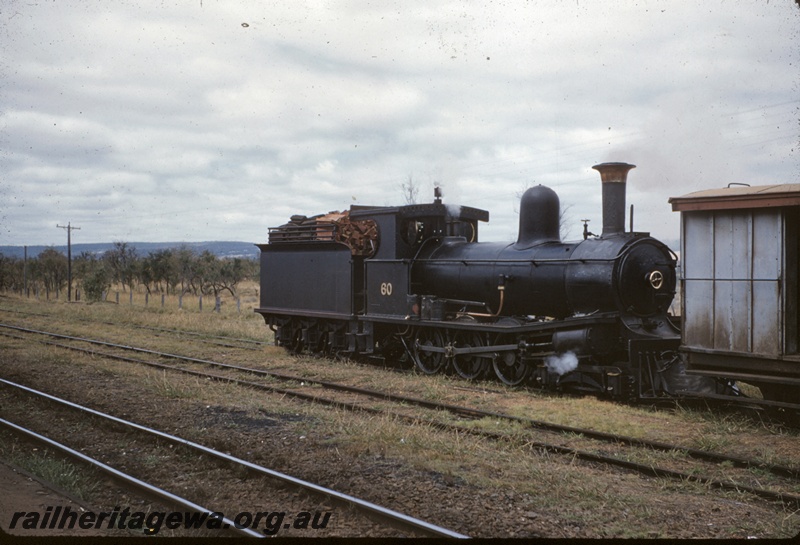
<point x="613" y="172"/>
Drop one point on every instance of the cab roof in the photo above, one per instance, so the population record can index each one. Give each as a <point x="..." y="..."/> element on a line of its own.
<point x="737" y="196"/>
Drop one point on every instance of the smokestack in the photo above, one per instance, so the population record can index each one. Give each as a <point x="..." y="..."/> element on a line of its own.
<point x="613" y="176"/>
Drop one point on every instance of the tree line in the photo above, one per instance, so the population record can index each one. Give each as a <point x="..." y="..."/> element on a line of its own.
<point x="175" y="270"/>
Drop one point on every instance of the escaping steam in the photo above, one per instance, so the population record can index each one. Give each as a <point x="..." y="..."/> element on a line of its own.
<point x="562" y="364"/>
<point x="453" y="210"/>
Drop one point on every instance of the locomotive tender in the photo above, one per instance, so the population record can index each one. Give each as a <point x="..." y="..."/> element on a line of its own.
<point x="413" y="283"/>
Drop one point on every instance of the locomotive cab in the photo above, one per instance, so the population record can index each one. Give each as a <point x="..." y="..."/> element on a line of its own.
<point x="403" y="229"/>
<point x="403" y="232"/>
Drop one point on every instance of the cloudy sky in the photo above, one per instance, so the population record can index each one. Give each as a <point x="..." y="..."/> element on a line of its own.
<point x="200" y="120"/>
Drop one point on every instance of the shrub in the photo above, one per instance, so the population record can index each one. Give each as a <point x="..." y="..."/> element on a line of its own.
<point x="95" y="283"/>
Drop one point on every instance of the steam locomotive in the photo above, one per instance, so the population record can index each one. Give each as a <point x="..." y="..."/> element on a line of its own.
<point x="414" y="284"/>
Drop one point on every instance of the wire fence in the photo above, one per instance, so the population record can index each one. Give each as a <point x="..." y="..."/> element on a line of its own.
<point x="186" y="301"/>
<point x="183" y="301"/>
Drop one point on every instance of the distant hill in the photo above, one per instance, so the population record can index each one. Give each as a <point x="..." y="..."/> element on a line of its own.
<point x="246" y="250"/>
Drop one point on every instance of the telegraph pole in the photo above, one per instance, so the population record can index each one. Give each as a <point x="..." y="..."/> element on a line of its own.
<point x="69" y="229"/>
<point x="25" y="272"/>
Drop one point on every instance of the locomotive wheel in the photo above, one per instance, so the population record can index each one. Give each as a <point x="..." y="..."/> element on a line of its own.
<point x="510" y="369"/>
<point x="469" y="366"/>
<point x="429" y="362"/>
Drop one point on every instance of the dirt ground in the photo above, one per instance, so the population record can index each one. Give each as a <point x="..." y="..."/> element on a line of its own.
<point x="294" y="445"/>
<point x="470" y="485"/>
<point x="23" y="492"/>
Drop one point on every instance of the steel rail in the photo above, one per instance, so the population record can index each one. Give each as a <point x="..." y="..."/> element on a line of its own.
<point x="790" y="500"/>
<point x="707" y="456"/>
<point x="201" y="335"/>
<point x="368" y="507"/>
<point x="204" y="337"/>
<point x="740" y="400"/>
<point x="150" y="490"/>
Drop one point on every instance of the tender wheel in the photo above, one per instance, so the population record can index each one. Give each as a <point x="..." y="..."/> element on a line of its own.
<point x="510" y="369"/>
<point x="429" y="362"/>
<point x="469" y="366"/>
<point x="321" y="345"/>
<point x="296" y="345"/>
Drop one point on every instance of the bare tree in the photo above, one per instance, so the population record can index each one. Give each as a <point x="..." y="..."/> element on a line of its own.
<point x="52" y="269"/>
<point x="410" y="190"/>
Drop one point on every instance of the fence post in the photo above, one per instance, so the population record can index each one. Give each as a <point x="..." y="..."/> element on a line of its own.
<point x="162" y="300"/>
<point x="146" y="298"/>
<point x="180" y="302"/>
<point x="117" y="297"/>
<point x="238" y="305"/>
<point x="217" y="304"/>
<point x="130" y="297"/>
<point x="201" y="303"/>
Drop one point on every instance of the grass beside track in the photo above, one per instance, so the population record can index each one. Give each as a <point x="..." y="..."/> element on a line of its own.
<point x="584" y="499"/>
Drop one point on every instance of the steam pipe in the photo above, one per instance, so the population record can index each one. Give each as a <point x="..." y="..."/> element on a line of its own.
<point x="631" y="229"/>
<point x="501" y="287"/>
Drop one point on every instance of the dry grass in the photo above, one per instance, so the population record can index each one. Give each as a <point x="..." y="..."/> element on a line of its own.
<point x="729" y="433"/>
<point x="50" y="467"/>
<point x="240" y="322"/>
<point x="619" y="505"/>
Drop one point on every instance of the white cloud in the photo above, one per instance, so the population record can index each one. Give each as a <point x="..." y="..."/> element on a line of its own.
<point x="215" y="120"/>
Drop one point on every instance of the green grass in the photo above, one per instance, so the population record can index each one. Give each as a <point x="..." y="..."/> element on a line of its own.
<point x="52" y="469"/>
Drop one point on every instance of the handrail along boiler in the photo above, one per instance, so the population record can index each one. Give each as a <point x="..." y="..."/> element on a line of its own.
<point x="413" y="283"/>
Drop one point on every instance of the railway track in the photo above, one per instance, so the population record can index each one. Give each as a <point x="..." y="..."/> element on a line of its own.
<point x="788" y="413"/>
<point x="352" y="398"/>
<point x="405" y="523"/>
<point x="149" y="490"/>
<point x="206" y="338"/>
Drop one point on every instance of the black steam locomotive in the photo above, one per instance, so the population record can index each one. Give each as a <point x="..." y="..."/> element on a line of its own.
<point x="412" y="283"/>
